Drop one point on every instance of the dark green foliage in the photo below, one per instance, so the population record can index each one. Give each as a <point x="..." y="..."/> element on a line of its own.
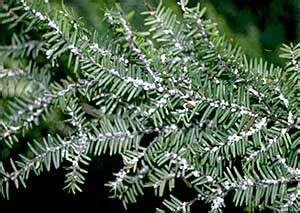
<point x="225" y="124"/>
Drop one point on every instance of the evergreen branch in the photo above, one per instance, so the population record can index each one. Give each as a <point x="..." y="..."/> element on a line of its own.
<point x="129" y="38"/>
<point x="261" y="183"/>
<point x="78" y="53"/>
<point x="160" y="17"/>
<point x="105" y="52"/>
<point x="162" y="22"/>
<point x="290" y="170"/>
<point x="14" y="47"/>
<point x="137" y="83"/>
<point x="39" y="106"/>
<point x="10" y="73"/>
<point x="292" y="53"/>
<point x="292" y="199"/>
<point x="43" y="154"/>
<point x="233" y="139"/>
<point x="195" y="15"/>
<point x="223" y="124"/>
<point x="270" y="143"/>
<point x="80" y="146"/>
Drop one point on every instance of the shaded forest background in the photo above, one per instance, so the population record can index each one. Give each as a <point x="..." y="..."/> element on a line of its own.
<point x="259" y="26"/>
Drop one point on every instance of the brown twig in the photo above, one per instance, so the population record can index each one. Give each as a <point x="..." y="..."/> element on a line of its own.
<point x="15" y="15"/>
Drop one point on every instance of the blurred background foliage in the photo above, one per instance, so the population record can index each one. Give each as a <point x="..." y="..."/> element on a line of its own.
<point x="259" y="26"/>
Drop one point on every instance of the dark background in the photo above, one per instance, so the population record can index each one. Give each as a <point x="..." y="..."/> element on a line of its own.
<point x="259" y="26"/>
